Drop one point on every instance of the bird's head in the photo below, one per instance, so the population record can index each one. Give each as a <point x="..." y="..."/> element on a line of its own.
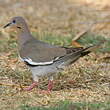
<point x="17" y="22"/>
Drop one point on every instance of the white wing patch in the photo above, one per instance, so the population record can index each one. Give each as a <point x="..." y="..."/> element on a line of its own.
<point x="29" y="61"/>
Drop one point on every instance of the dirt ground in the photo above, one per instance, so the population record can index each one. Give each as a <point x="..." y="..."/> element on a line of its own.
<point x="88" y="81"/>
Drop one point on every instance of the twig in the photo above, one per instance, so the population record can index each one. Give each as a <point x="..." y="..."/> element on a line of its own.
<point x="79" y="35"/>
<point x="82" y="33"/>
<point x="13" y="85"/>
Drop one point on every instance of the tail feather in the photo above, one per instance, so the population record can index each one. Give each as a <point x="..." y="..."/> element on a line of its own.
<point x="94" y="47"/>
<point x="85" y="53"/>
<point x="89" y="49"/>
<point x="73" y="56"/>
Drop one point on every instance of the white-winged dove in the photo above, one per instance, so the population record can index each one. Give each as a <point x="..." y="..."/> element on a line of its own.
<point x="42" y="58"/>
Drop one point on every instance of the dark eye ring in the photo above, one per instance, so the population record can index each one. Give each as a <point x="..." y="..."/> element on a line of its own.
<point x="14" y="21"/>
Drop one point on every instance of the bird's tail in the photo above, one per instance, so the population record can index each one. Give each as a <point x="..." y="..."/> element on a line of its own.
<point x="92" y="48"/>
<point x="89" y="49"/>
<point x="71" y="58"/>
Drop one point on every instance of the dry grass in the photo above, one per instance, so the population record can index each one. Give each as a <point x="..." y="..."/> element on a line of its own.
<point x="87" y="80"/>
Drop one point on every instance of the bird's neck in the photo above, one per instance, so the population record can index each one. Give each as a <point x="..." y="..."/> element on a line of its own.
<point x="24" y="35"/>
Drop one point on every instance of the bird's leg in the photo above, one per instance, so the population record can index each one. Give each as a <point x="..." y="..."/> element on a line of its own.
<point x="50" y="84"/>
<point x="49" y="87"/>
<point x="33" y="85"/>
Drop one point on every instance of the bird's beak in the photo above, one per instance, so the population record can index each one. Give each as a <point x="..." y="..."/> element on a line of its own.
<point x="7" y="25"/>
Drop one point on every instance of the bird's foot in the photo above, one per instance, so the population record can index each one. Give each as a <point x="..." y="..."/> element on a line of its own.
<point x="33" y="85"/>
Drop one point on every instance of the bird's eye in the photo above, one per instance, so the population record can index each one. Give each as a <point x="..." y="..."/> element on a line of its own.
<point x="14" y="21"/>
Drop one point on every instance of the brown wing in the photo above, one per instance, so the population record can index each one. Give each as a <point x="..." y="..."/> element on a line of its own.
<point x="39" y="51"/>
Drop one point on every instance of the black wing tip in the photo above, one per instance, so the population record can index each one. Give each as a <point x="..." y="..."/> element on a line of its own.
<point x="30" y="65"/>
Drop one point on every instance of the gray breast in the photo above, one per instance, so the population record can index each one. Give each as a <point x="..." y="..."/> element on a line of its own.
<point x="47" y="70"/>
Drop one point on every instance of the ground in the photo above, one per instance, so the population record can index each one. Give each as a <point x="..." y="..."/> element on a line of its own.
<point x="56" y="22"/>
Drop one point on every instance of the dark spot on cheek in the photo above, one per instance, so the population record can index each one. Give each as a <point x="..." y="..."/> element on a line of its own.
<point x="18" y="27"/>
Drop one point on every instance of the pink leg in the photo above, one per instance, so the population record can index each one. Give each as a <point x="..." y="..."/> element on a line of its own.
<point x="33" y="85"/>
<point x="50" y="85"/>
